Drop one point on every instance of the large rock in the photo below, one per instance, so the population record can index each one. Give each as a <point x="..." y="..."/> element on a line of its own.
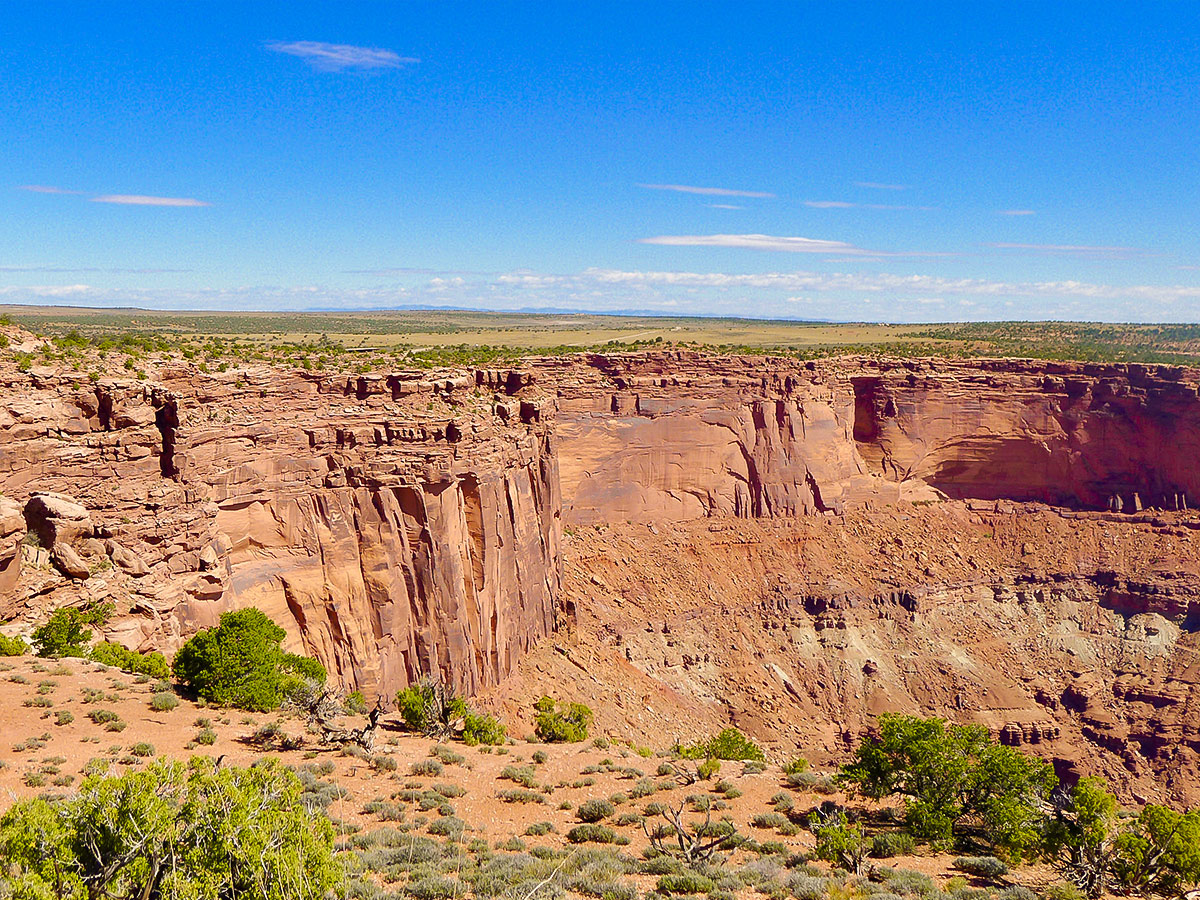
<point x="69" y="562"/>
<point x="57" y="519"/>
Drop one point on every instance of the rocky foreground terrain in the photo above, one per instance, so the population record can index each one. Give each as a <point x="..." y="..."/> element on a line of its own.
<point x="680" y="539"/>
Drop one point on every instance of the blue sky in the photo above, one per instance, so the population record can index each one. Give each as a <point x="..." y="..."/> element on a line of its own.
<point x="871" y="161"/>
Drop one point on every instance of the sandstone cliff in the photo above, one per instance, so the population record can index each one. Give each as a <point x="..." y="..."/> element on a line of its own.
<point x="391" y="540"/>
<point x="796" y="545"/>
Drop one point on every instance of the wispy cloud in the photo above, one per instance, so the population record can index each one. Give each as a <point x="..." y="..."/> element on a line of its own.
<point x="755" y="242"/>
<point x="88" y="269"/>
<point x="706" y="191"/>
<point x="45" y="189"/>
<point x="774" y="243"/>
<point x="144" y="200"/>
<point x="845" y="204"/>
<point x="1078" y="250"/>
<point x="879" y="186"/>
<point x="338" y="57"/>
<point x="390" y="271"/>
<point x="1017" y="212"/>
<point x="724" y="206"/>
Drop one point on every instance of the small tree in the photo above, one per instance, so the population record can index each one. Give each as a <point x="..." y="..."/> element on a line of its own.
<point x="840" y="842"/>
<point x="697" y="843"/>
<point x="431" y="708"/>
<point x="240" y="663"/>
<point x="1159" y="853"/>
<point x="66" y="633"/>
<point x="1079" y="839"/>
<point x="949" y="773"/>
<point x="173" y="831"/>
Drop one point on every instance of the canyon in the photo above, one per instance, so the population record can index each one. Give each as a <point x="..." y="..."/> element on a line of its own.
<point x="681" y="539"/>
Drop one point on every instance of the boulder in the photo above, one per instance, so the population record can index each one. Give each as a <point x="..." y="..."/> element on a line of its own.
<point x="57" y="519"/>
<point x="127" y="560"/>
<point x="69" y="562"/>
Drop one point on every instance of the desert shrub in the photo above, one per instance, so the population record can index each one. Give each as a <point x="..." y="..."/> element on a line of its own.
<point x="430" y="768"/>
<point x="163" y="702"/>
<point x="799" y="764"/>
<point x="142" y="749"/>
<point x="66" y="633"/>
<point x="446" y="755"/>
<point x="684" y="883"/>
<point x="356" y="703"/>
<point x="594" y="810"/>
<point x="447" y="826"/>
<point x="1066" y="891"/>
<point x="813" y="781"/>
<point x="537" y="829"/>
<point x="981" y="866"/>
<point x="892" y="843"/>
<point x="13" y="646"/>
<point x="590" y="833"/>
<point x="727" y="744"/>
<point x="907" y="883"/>
<point x="153" y="664"/>
<point x="479" y="728"/>
<point x="1016" y="892"/>
<point x="436" y="887"/>
<point x="522" y="775"/>
<point x="708" y="768"/>
<point x="63" y="717"/>
<point x="205" y="736"/>
<point x="540" y="757"/>
<point x="381" y="763"/>
<point x="521" y="795"/>
<point x="561" y="722"/>
<point x="103" y="716"/>
<point x="808" y="887"/>
<point x="240" y="663"/>
<point x="769" y="820"/>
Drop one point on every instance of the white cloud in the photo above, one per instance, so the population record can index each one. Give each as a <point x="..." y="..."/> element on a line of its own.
<point x="47" y="290"/>
<point x="143" y="200"/>
<point x="837" y="296"/>
<point x="45" y="189"/>
<point x="880" y="186"/>
<point x="706" y="191"/>
<point x="1017" y="212"/>
<point x="724" y="206"/>
<point x="1099" y="252"/>
<point x="755" y="242"/>
<point x="774" y="243"/>
<point x="845" y="204"/>
<point x="337" y="57"/>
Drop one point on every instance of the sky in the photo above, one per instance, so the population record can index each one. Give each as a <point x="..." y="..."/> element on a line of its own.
<point x="899" y="162"/>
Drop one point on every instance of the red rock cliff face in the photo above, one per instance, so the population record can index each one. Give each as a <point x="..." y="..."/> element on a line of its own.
<point x="407" y="525"/>
<point x="667" y="437"/>
<point x="396" y="527"/>
<point x="1093" y="436"/>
